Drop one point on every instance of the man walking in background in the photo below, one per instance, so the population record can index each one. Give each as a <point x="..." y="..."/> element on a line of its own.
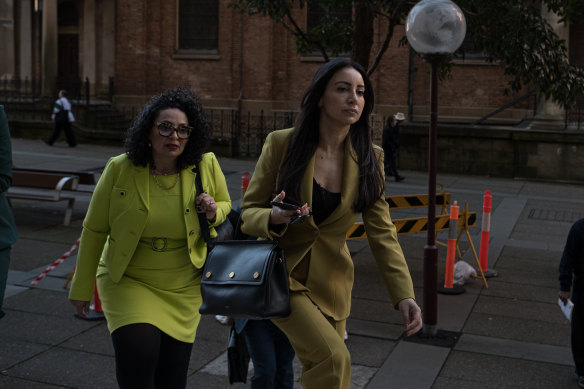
<point x="390" y="144"/>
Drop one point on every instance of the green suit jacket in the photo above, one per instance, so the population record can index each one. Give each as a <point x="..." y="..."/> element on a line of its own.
<point x="318" y="260"/>
<point x="118" y="213"/>
<point x="7" y="227"/>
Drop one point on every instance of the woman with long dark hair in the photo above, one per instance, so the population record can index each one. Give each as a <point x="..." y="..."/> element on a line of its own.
<point x="142" y="239"/>
<point x="329" y="169"/>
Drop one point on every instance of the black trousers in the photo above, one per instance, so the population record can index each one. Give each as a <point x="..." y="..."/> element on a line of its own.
<point x="147" y="358"/>
<point x="578" y="338"/>
<point x="66" y="127"/>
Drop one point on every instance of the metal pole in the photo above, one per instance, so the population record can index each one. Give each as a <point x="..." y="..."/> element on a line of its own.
<point x="430" y="317"/>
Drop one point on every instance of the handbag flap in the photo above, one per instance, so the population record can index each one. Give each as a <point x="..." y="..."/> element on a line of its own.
<point x="243" y="262"/>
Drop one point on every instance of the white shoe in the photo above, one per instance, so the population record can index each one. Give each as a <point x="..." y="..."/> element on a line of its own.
<point x="222" y="319"/>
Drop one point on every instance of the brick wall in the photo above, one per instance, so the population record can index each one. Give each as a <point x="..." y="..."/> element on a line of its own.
<point x="264" y="63"/>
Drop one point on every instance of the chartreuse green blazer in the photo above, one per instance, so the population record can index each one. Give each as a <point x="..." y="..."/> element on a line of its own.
<point x="318" y="260"/>
<point x="118" y="212"/>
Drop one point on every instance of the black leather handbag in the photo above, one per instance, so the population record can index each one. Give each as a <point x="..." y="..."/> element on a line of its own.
<point x="243" y="278"/>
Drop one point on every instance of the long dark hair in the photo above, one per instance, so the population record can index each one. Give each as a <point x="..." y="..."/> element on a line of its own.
<point x="182" y="98"/>
<point x="305" y="140"/>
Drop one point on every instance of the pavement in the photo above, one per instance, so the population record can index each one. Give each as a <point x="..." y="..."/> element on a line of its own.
<point x="509" y="335"/>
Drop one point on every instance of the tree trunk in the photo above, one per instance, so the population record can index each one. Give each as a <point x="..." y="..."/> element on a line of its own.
<point x="363" y="34"/>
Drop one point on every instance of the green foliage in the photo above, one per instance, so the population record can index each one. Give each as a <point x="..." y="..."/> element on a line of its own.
<point x="512" y="33"/>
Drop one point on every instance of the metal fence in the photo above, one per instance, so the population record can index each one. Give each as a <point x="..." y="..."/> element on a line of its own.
<point x="575" y="117"/>
<point x="20" y="90"/>
<point x="247" y="133"/>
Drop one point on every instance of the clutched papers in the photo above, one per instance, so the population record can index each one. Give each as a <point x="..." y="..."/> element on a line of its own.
<point x="566" y="308"/>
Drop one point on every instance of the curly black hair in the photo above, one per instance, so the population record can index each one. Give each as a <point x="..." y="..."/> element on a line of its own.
<point x="183" y="98"/>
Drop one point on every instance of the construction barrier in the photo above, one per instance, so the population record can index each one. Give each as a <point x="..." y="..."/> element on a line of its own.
<point x="414" y="225"/>
<point x="485" y="232"/>
<point x="56" y="263"/>
<point x="451" y="250"/>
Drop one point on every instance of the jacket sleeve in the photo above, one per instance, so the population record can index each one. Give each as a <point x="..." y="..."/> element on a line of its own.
<point x="95" y="231"/>
<point x="255" y="206"/>
<point x="382" y="237"/>
<point x="220" y="193"/>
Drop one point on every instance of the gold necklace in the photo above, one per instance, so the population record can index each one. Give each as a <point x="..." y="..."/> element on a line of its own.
<point x="166" y="187"/>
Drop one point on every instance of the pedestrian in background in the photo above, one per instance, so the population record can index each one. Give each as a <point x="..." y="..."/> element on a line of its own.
<point x="328" y="167"/>
<point x="270" y="352"/>
<point x="142" y="238"/>
<point x="390" y="143"/>
<point x="572" y="279"/>
<point x="63" y="117"/>
<point x="7" y="226"/>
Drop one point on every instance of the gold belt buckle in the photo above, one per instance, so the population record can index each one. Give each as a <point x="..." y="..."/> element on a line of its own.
<point x="156" y="246"/>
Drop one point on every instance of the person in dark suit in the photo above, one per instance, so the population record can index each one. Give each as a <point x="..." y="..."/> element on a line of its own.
<point x="329" y="168"/>
<point x="390" y="144"/>
<point x="8" y="233"/>
<point x="571" y="286"/>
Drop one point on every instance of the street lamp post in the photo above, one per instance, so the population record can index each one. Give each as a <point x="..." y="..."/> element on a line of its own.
<point x="435" y="29"/>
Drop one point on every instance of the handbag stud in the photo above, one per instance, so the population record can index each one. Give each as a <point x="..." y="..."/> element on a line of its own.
<point x="256" y="275"/>
<point x="208" y="275"/>
<point x="231" y="275"/>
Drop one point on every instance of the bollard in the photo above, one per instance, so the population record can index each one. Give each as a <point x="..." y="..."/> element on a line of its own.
<point x="449" y="287"/>
<point x="451" y="250"/>
<point x="244" y="182"/>
<point x="485" y="232"/>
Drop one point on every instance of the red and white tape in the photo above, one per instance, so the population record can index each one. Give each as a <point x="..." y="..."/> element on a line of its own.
<point x="55" y="264"/>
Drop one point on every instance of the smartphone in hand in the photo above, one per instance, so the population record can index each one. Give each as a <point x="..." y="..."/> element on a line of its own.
<point x="286" y="206"/>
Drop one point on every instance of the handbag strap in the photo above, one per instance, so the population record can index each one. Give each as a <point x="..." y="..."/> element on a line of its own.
<point x="237" y="234"/>
<point x="202" y="218"/>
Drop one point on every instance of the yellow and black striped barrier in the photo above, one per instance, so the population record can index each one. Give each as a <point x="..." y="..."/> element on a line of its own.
<point x="414" y="225"/>
<point x="416" y="201"/>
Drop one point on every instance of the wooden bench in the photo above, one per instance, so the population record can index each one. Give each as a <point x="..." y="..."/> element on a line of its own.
<point x="44" y="186"/>
<point x="87" y="179"/>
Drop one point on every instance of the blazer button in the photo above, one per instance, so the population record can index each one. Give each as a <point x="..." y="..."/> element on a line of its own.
<point x="187" y="210"/>
<point x="191" y="233"/>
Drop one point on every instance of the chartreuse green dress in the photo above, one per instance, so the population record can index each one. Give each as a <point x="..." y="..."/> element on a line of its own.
<point x="160" y="285"/>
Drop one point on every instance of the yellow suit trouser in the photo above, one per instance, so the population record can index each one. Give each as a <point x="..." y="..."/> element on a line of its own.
<point x="319" y="344"/>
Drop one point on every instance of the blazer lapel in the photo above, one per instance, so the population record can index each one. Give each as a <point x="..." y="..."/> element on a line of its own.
<point x="187" y="186"/>
<point x="141" y="179"/>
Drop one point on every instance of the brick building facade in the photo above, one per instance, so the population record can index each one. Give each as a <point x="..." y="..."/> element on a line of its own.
<point x="254" y="65"/>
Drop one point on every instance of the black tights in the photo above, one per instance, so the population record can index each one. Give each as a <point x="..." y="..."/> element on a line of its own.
<point x="147" y="358"/>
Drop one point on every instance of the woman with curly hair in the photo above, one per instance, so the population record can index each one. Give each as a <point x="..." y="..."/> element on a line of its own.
<point x="141" y="239"/>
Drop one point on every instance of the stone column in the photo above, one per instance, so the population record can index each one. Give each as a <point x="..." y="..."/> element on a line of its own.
<point x="107" y="46"/>
<point x="25" y="40"/>
<point x="89" y="39"/>
<point x="549" y="115"/>
<point x="6" y="39"/>
<point x="49" y="46"/>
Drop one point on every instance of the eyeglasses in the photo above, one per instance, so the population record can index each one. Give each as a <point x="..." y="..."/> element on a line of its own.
<point x="166" y="129"/>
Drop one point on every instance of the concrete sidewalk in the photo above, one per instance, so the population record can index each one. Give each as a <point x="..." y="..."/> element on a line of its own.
<point x="509" y="335"/>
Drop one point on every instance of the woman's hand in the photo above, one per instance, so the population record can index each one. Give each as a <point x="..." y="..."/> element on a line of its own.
<point x="205" y="203"/>
<point x="82" y="307"/>
<point x="283" y="216"/>
<point x="412" y="315"/>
